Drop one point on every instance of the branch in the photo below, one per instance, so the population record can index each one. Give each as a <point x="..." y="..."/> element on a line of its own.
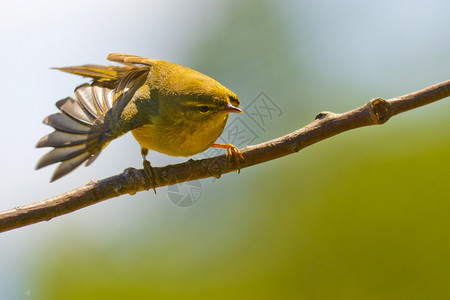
<point x="131" y="181"/>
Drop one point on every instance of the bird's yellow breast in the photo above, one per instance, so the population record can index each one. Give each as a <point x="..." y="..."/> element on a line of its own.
<point x="180" y="138"/>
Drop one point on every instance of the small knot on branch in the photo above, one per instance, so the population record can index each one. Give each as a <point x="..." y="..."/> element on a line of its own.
<point x="130" y="176"/>
<point x="323" y="115"/>
<point x="380" y="110"/>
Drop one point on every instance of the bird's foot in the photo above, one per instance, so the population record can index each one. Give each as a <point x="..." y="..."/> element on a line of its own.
<point x="151" y="174"/>
<point x="232" y="151"/>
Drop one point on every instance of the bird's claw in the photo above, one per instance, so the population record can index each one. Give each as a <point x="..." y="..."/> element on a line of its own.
<point x="232" y="151"/>
<point x="151" y="175"/>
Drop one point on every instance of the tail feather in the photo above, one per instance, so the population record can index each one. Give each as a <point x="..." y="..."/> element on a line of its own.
<point x="103" y="99"/>
<point x="60" y="154"/>
<point x="96" y="101"/>
<point x="76" y="110"/>
<point x="79" y="134"/>
<point x="65" y="123"/>
<point x="69" y="165"/>
<point x="62" y="139"/>
<point x="83" y="95"/>
<point x="91" y="159"/>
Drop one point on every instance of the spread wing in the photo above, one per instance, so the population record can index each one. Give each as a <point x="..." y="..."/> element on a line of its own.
<point x="131" y="59"/>
<point x="106" y="76"/>
<point x="117" y="78"/>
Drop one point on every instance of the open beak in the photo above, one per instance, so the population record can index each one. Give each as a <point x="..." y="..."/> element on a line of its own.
<point x="232" y="109"/>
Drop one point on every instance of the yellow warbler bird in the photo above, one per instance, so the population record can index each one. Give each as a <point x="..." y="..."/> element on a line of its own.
<point x="169" y="108"/>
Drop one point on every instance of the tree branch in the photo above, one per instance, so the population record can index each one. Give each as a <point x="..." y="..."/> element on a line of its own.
<point x="326" y="125"/>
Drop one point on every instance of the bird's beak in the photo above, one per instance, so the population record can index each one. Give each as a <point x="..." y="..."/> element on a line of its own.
<point x="232" y="109"/>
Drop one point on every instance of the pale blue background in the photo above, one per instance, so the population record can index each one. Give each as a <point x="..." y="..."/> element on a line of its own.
<point x="347" y="50"/>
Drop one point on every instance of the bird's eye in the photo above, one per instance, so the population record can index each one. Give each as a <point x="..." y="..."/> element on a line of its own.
<point x="234" y="100"/>
<point x="203" y="108"/>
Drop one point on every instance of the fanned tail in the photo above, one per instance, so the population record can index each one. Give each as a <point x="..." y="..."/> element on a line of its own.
<point x="80" y="133"/>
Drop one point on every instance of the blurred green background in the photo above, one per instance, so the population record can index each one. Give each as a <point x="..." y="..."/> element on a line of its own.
<point x="363" y="215"/>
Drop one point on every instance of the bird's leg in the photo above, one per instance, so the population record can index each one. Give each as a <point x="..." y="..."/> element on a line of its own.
<point x="232" y="151"/>
<point x="148" y="169"/>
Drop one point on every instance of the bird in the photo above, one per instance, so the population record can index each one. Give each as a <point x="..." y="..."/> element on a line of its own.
<point x="169" y="108"/>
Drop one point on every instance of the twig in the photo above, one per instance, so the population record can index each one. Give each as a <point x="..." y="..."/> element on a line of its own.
<point x="327" y="124"/>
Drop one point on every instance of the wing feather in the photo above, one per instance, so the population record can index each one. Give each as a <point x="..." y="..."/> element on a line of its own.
<point x="131" y="59"/>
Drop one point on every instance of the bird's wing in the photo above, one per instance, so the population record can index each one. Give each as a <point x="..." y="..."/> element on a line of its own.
<point x="126" y="88"/>
<point x="122" y="81"/>
<point x="127" y="59"/>
<point x="113" y="76"/>
<point x="117" y="78"/>
<point x="102" y="75"/>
